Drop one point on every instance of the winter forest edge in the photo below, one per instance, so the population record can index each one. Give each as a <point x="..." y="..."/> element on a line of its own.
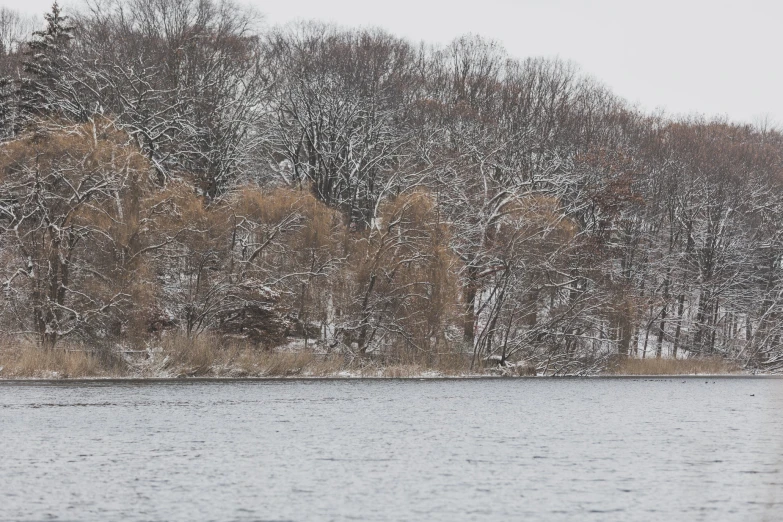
<point x="184" y="188"/>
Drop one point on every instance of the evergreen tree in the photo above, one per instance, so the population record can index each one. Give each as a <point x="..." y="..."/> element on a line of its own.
<point x="41" y="92"/>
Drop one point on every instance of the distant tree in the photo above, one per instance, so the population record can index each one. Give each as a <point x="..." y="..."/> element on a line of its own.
<point x="399" y="282"/>
<point x="339" y="108"/>
<point x="15" y="30"/>
<point x="48" y="88"/>
<point x="58" y="195"/>
<point x="186" y="79"/>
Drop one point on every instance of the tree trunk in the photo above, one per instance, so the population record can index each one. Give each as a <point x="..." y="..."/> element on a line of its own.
<point x="469" y="314"/>
<point x="680" y="311"/>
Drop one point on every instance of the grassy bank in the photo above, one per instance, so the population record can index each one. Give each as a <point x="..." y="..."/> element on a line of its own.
<point x="177" y="357"/>
<point x="207" y="357"/>
<point x="693" y="366"/>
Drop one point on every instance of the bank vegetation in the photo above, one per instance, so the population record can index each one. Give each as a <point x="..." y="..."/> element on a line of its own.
<point x="186" y="191"/>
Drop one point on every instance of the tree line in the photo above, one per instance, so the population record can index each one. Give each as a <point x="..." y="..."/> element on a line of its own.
<point x="176" y="165"/>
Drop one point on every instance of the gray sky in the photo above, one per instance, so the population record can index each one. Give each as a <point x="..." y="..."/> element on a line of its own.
<point x="714" y="57"/>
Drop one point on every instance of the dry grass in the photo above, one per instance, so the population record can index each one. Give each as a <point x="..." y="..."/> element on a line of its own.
<point x="208" y="356"/>
<point x="24" y="360"/>
<point x="694" y="366"/>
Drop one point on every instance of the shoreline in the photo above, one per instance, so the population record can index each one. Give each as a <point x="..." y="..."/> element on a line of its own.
<point x="177" y="360"/>
<point x="193" y="380"/>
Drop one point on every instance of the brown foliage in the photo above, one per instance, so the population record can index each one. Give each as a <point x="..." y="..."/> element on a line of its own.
<point x="401" y="278"/>
<point x="71" y="197"/>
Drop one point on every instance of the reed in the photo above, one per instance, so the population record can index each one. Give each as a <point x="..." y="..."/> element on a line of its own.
<point x="665" y="366"/>
<point x="176" y="355"/>
<point x="27" y="360"/>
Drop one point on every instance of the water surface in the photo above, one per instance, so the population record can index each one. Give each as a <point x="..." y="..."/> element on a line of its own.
<point x="378" y="450"/>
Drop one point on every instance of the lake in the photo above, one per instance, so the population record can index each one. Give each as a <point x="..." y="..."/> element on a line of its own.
<point x="380" y="450"/>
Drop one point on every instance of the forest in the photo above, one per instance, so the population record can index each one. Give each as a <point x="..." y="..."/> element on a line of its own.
<point x="178" y="169"/>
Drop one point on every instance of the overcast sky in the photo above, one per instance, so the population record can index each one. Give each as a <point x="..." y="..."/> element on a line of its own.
<point x="713" y="57"/>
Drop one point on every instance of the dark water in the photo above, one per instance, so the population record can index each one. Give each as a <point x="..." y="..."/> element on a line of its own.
<point x="500" y="450"/>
